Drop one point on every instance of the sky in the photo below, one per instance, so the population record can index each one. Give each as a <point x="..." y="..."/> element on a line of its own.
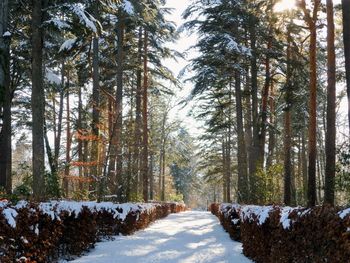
<point x="182" y="45"/>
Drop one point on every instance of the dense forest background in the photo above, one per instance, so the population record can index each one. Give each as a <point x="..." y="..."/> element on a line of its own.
<point x="86" y="101"/>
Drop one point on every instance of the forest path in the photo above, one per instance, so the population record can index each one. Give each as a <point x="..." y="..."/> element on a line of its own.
<point x="188" y="237"/>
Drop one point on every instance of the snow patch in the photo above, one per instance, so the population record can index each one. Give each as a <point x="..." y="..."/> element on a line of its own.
<point x="260" y="212"/>
<point x="68" y="44"/>
<point x="52" y="77"/>
<point x="342" y="214"/>
<point x="6" y="34"/>
<point x="60" y="24"/>
<point x="54" y="209"/>
<point x="284" y="220"/>
<point x="10" y="215"/>
<point x="84" y="17"/>
<point x="128" y="7"/>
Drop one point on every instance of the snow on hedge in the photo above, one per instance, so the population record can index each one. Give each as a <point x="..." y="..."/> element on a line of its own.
<point x="251" y="213"/>
<point x="342" y="214"/>
<point x="55" y="208"/>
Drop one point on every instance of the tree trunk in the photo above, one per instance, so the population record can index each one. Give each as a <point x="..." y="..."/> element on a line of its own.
<point x="265" y="98"/>
<point x="38" y="101"/>
<point x="248" y="127"/>
<point x="94" y="158"/>
<point x="163" y="172"/>
<point x="151" y="176"/>
<point x="151" y="163"/>
<point x="346" y="35"/>
<point x="287" y="127"/>
<point x="254" y="161"/>
<point x="68" y="146"/>
<point x="241" y="151"/>
<point x="138" y="120"/>
<point x="311" y="20"/>
<point x="60" y="116"/>
<point x="144" y="169"/>
<point x="304" y="164"/>
<point x="80" y="143"/>
<point x="272" y="136"/>
<point x="287" y="158"/>
<point x="119" y="107"/>
<point x="5" y="103"/>
<point x="331" y="115"/>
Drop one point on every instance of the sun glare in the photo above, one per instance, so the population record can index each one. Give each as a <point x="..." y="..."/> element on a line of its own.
<point x="285" y="5"/>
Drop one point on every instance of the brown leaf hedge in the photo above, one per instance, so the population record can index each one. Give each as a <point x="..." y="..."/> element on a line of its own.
<point x="274" y="234"/>
<point x="37" y="232"/>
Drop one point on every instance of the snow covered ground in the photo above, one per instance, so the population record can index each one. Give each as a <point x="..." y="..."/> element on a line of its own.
<point x="189" y="237"/>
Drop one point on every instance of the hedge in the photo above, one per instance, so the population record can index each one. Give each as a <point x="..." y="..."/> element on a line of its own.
<point x="45" y="232"/>
<point x="283" y="234"/>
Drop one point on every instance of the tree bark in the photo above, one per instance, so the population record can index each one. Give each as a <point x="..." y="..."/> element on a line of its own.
<point x="145" y="120"/>
<point x="272" y="135"/>
<point x="38" y="102"/>
<point x="346" y="35"/>
<point x="79" y="128"/>
<point x="254" y="161"/>
<point x="94" y="158"/>
<point x="311" y="20"/>
<point x="60" y="115"/>
<point x="241" y="151"/>
<point x="5" y="102"/>
<point x="224" y="170"/>
<point x="265" y="98"/>
<point x="119" y="107"/>
<point x="287" y="126"/>
<point x="304" y="164"/>
<point x="331" y="108"/>
<point x="138" y="120"/>
<point x="68" y="146"/>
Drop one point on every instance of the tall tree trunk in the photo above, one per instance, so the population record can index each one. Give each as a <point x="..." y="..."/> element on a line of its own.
<point x="119" y="105"/>
<point x="304" y="164"/>
<point x="331" y="116"/>
<point x="79" y="128"/>
<point x="38" y="101"/>
<point x="311" y="20"/>
<point x="94" y="158"/>
<point x="60" y="116"/>
<point x="151" y="163"/>
<point x="287" y="126"/>
<point x="5" y="103"/>
<point x="287" y="158"/>
<point x="145" y="120"/>
<point x="346" y="35"/>
<point x="163" y="172"/>
<point x="224" y="170"/>
<point x="151" y="175"/>
<point x="228" y="147"/>
<point x="254" y="149"/>
<point x="68" y="146"/>
<point x="160" y="173"/>
<point x="265" y="98"/>
<point x="242" y="186"/>
<point x="138" y="120"/>
<point x="272" y="136"/>
<point x="248" y="127"/>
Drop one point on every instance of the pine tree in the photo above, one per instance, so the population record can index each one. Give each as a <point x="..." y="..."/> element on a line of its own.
<point x="331" y="108"/>
<point x="346" y="36"/>
<point x="5" y="99"/>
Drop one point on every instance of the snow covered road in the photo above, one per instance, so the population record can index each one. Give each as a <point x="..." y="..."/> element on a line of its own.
<point x="189" y="237"/>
